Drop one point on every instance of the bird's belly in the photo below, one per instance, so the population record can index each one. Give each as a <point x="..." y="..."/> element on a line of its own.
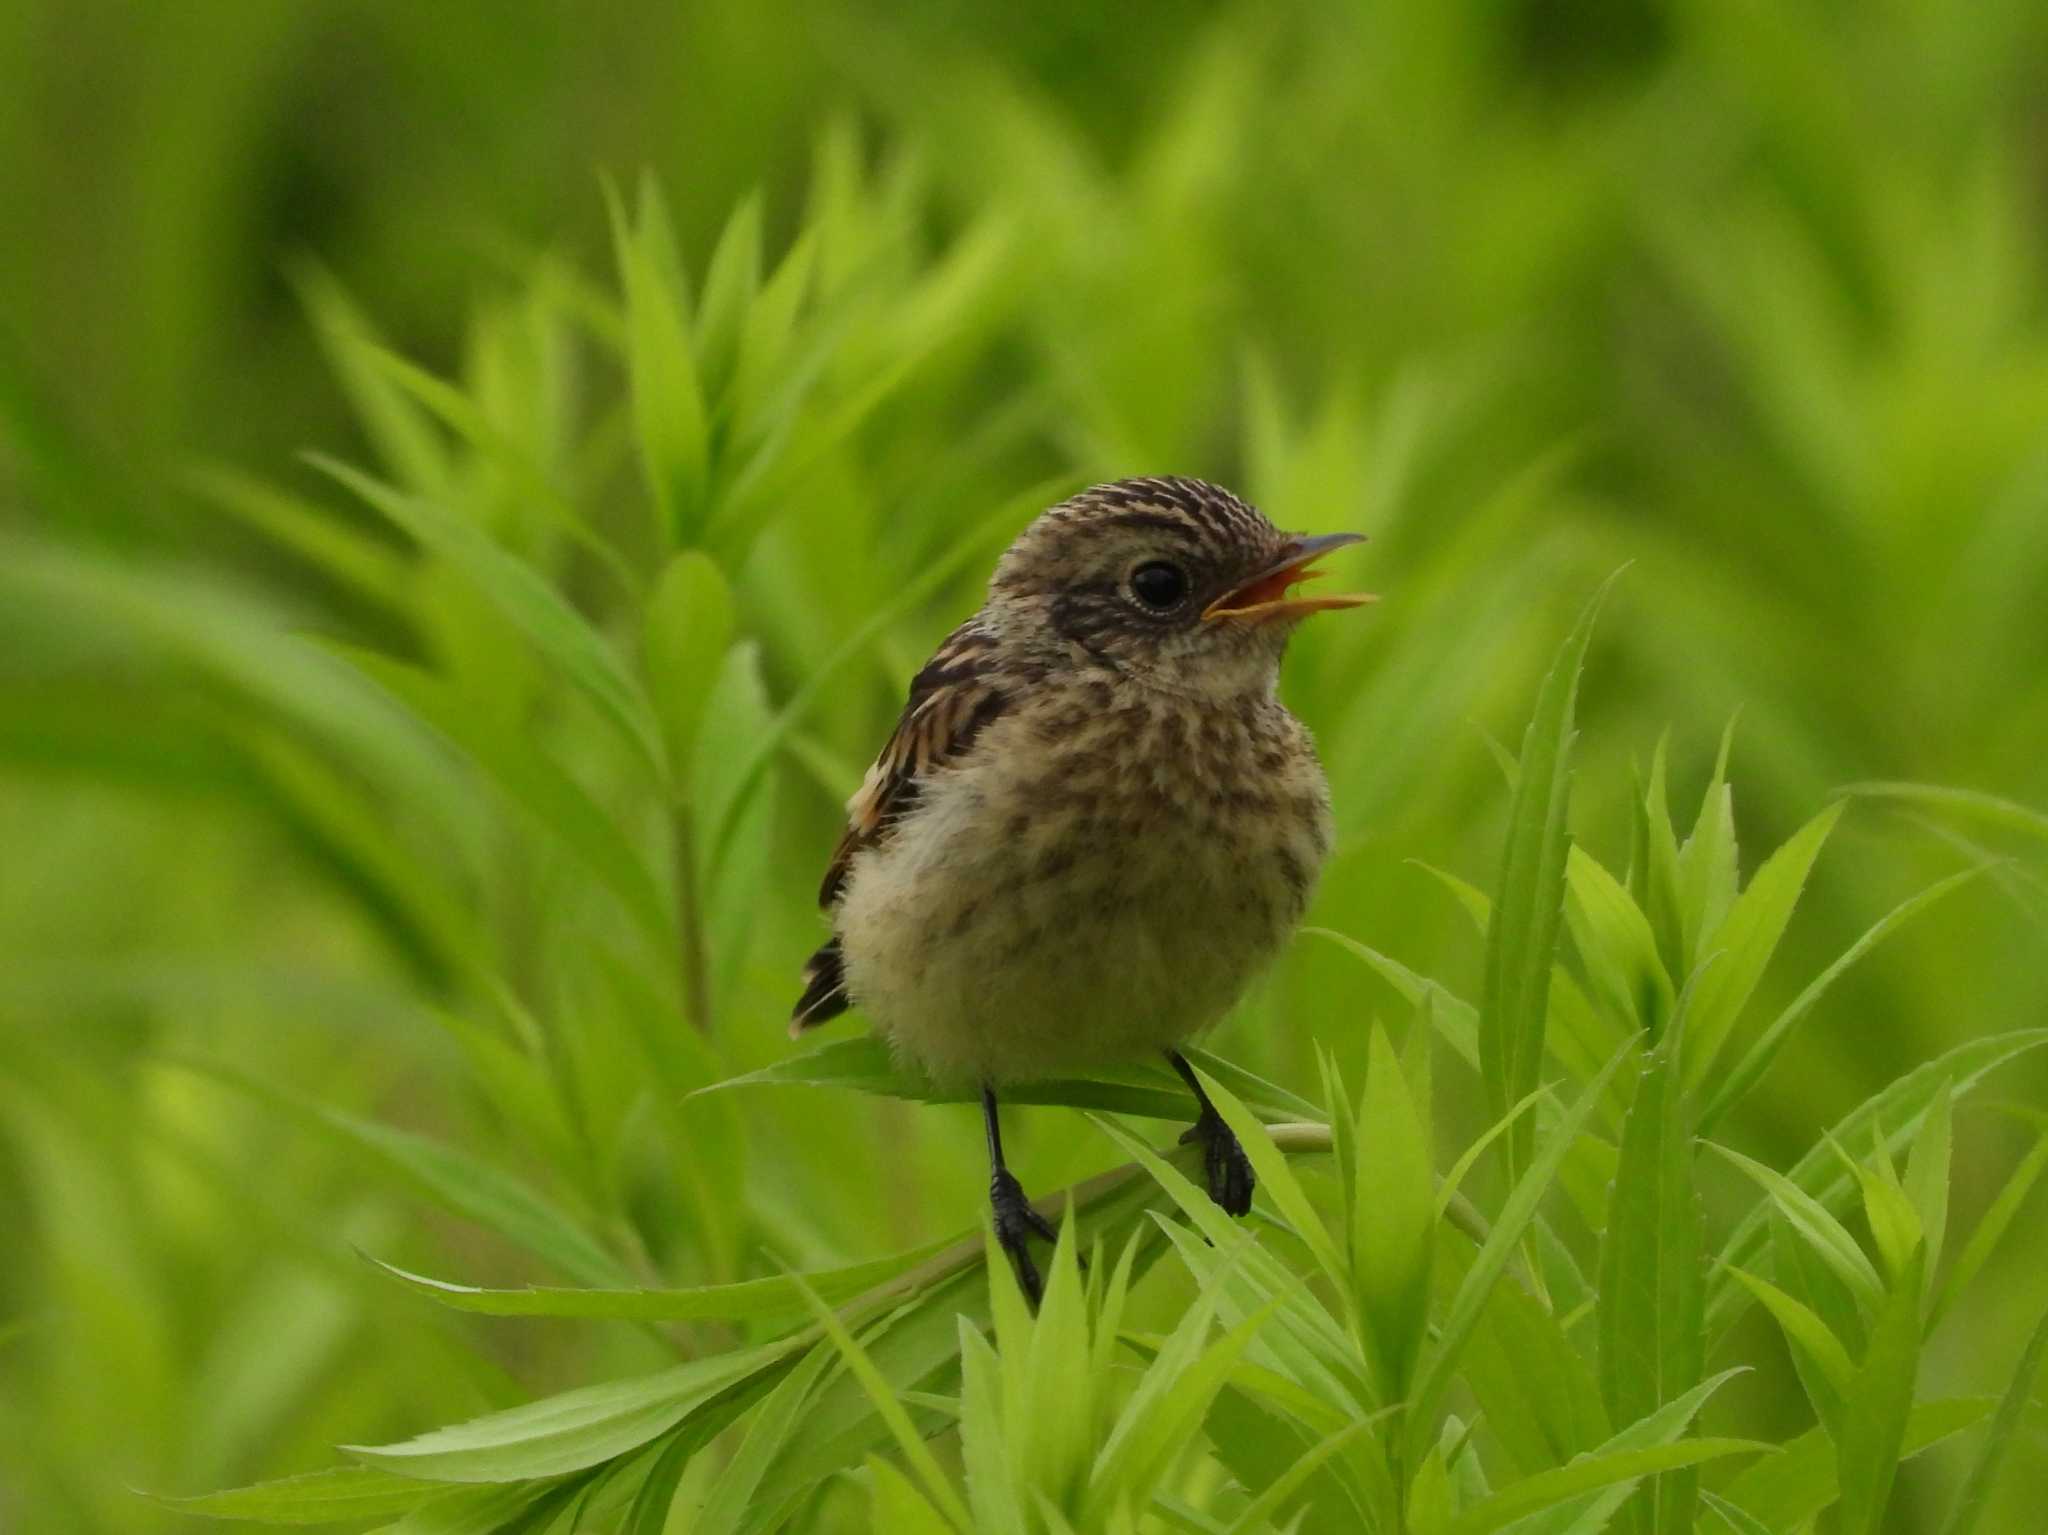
<point x="1076" y="940"/>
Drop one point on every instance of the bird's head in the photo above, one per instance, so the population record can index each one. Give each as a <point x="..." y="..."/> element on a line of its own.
<point x="1174" y="581"/>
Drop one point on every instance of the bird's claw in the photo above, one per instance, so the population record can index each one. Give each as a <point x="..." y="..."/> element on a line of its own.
<point x="1231" y="1180"/>
<point x="1016" y="1221"/>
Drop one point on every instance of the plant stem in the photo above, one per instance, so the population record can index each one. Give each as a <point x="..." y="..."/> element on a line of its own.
<point x="694" y="966"/>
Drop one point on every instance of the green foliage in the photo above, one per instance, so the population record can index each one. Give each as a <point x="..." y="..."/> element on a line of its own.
<point x="1315" y="1376"/>
<point x="400" y="849"/>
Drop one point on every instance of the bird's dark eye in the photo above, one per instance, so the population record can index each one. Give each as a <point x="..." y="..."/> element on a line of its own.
<point x="1158" y="585"/>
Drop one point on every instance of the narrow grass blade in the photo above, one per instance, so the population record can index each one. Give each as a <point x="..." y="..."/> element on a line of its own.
<point x="1615" y="944"/>
<point x="1968" y="1511"/>
<point x="466" y="1185"/>
<point x="525" y="599"/>
<point x="1581" y="1496"/>
<point x="866" y="1065"/>
<point x="529" y="780"/>
<point x="685" y="632"/>
<point x="1757" y="1059"/>
<point x="1440" y="1359"/>
<point x="1456" y="1019"/>
<point x="891" y="1410"/>
<point x="574" y="1430"/>
<point x="776" y="1419"/>
<point x="897" y="1505"/>
<point x="319" y="1497"/>
<point x="1393" y="1224"/>
<point x="1707" y="862"/>
<point x="1276" y="1179"/>
<point x="1791" y="1487"/>
<point x="1811" y="1337"/>
<point x="1875" y="1416"/>
<point x="1811" y="1218"/>
<point x="1895" y="1114"/>
<point x="1746" y="940"/>
<point x="774" y="1296"/>
<point x="1652" y="1291"/>
<point x="670" y="418"/>
<point x="1521" y="939"/>
<point x="1991" y="1228"/>
<point x="1969" y="804"/>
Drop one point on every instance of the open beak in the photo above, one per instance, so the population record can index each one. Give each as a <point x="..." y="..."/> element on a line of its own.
<point x="1265" y="596"/>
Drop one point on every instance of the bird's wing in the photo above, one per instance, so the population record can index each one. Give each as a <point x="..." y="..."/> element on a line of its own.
<point x="951" y="699"/>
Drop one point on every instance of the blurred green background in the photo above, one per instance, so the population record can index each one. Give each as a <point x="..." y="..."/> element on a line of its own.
<point x="1754" y="296"/>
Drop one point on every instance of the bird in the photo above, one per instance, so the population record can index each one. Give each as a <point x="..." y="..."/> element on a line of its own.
<point x="1095" y="822"/>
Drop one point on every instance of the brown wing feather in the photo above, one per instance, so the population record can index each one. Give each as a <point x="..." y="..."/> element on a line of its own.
<point x="951" y="699"/>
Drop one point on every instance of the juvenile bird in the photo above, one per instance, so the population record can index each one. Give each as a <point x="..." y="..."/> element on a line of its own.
<point x="1095" y="822"/>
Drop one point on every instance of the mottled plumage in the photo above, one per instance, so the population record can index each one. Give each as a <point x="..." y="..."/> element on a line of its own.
<point x="1095" y="822"/>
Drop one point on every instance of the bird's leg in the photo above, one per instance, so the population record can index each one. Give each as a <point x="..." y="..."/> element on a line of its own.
<point x="1016" y="1220"/>
<point x="1229" y="1169"/>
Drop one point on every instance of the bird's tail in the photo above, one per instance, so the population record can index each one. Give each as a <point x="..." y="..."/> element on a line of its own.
<point x="824" y="995"/>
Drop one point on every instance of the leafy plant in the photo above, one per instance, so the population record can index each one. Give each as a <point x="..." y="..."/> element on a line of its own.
<point x="1378" y="1349"/>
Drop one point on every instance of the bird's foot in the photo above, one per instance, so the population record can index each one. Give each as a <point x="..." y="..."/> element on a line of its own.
<point x="1016" y="1222"/>
<point x="1230" y="1171"/>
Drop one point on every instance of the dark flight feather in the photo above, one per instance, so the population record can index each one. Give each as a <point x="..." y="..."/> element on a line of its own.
<point x="951" y="699"/>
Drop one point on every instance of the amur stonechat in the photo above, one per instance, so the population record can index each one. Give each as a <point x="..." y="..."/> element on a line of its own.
<point x="1095" y="822"/>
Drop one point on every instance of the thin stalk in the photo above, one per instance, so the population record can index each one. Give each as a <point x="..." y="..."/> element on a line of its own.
<point x="694" y="967"/>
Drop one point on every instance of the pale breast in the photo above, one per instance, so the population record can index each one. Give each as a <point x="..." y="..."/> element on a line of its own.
<point x="1098" y="879"/>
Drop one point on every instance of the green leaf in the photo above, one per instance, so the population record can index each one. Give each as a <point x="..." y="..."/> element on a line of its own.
<point x="731" y="280"/>
<point x="1276" y="1179"/>
<point x="1810" y="1217"/>
<point x="1734" y="1517"/>
<point x="1887" y="1211"/>
<point x="1439" y="1360"/>
<point x="1393" y="1224"/>
<point x="352" y="560"/>
<point x="319" y="1497"/>
<point x="1534" y="1387"/>
<point x="1896" y="1114"/>
<point x="1644" y="1448"/>
<point x="524" y="598"/>
<point x="1615" y="945"/>
<point x="1661" y="899"/>
<point x="473" y="1511"/>
<point x="405" y="439"/>
<point x="669" y="414"/>
<point x="1874" y="1417"/>
<point x="1832" y="1377"/>
<point x="986" y="1451"/>
<point x="1707" y="862"/>
<point x="774" y="1422"/>
<point x="897" y="1505"/>
<point x="1652" y="1291"/>
<point x="529" y="779"/>
<point x="774" y="1296"/>
<point x="1171" y="1400"/>
<point x="1276" y="1493"/>
<point x="576" y="1429"/>
<point x="466" y="1185"/>
<point x="1473" y="901"/>
<point x="1968" y="804"/>
<point x="1969" y="1505"/>
<point x="1456" y="1019"/>
<point x="1927" y="1173"/>
<point x="1748" y="1071"/>
<point x="909" y="1442"/>
<point x="685" y="634"/>
<point x="868" y="1065"/>
<point x="1792" y="1486"/>
<point x="1991" y="1229"/>
<point x="1746" y="940"/>
<point x="1521" y="940"/>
